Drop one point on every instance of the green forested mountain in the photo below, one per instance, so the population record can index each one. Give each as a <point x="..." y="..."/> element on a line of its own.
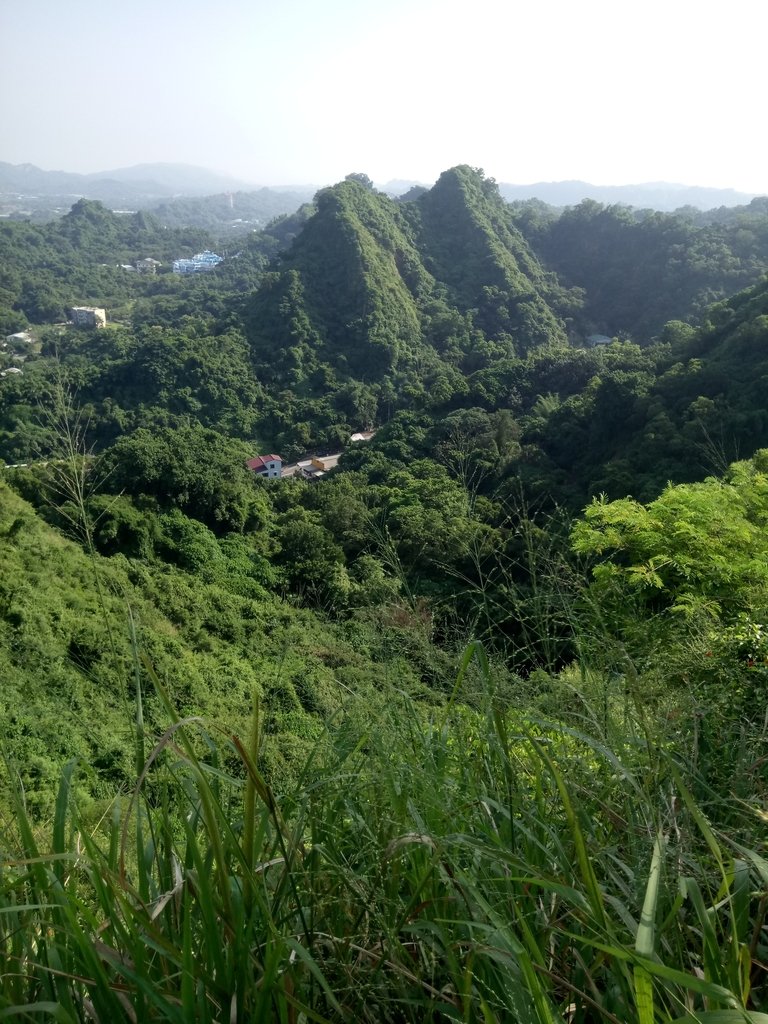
<point x="230" y="214"/>
<point x="472" y="727"/>
<point x="379" y="304"/>
<point x="687" y="407"/>
<point x="340" y="297"/>
<point x="473" y="247"/>
<point x="639" y="269"/>
<point x="378" y="282"/>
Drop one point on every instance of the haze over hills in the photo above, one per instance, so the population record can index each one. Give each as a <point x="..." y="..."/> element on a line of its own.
<point x="655" y="195"/>
<point x="664" y="196"/>
<point x="144" y="183"/>
<point x="149" y="180"/>
<point x="176" y="191"/>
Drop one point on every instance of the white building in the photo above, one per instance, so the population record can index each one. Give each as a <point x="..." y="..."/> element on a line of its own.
<point x="270" y="466"/>
<point x="88" y="316"/>
<point x="201" y="262"/>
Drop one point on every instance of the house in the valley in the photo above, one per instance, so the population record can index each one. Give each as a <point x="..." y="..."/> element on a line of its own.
<point x="18" y="339"/>
<point x="313" y="468"/>
<point x="269" y="466"/>
<point x="148" y="265"/>
<point x="596" y="340"/>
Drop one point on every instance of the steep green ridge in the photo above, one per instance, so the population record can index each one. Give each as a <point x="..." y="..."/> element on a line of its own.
<point x="345" y="294"/>
<point x="371" y="287"/>
<point x="472" y="246"/>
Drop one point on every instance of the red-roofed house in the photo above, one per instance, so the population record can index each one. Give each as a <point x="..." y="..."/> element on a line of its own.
<point x="270" y="466"/>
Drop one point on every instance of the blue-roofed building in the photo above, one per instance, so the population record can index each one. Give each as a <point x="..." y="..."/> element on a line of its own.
<point x="197" y="264"/>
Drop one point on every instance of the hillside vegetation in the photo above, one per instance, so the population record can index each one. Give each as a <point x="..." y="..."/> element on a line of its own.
<point x="472" y="727"/>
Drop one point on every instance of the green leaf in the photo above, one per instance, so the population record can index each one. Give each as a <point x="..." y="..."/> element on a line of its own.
<point x="645" y="940"/>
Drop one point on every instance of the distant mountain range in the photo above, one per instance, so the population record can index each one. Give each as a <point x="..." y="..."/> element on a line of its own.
<point x="654" y="195"/>
<point x="147" y="183"/>
<point x="142" y="182"/>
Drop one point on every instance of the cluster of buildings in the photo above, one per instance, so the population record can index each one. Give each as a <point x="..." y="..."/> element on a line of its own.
<point x="145" y="266"/>
<point x="313" y="468"/>
<point x="17" y="344"/>
<point x="271" y="466"/>
<point x="197" y="264"/>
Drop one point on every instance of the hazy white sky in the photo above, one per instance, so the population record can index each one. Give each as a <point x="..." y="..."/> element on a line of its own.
<point x="305" y="91"/>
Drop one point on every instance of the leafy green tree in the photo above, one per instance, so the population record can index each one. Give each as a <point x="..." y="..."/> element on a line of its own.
<point x="122" y="526"/>
<point x="189" y="544"/>
<point x="697" y="544"/>
<point x="361" y="179"/>
<point x="199" y="471"/>
<point x="312" y="561"/>
<point x="680" y="590"/>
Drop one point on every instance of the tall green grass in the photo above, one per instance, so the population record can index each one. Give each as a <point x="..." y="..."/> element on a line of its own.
<point x="462" y="865"/>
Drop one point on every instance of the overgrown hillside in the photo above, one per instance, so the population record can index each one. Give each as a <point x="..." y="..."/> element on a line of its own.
<point x="690" y="408"/>
<point x="358" y="852"/>
<point x="639" y="269"/>
<point x="72" y="625"/>
<point x="419" y="739"/>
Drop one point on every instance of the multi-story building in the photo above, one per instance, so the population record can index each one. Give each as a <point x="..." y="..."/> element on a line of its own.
<point x="201" y="262"/>
<point x="88" y="316"/>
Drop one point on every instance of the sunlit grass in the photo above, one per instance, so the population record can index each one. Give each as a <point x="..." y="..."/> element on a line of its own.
<point x="476" y="866"/>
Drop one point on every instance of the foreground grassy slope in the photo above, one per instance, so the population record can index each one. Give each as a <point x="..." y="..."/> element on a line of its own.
<point x="69" y="628"/>
<point x="471" y="866"/>
<point x="343" y="849"/>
